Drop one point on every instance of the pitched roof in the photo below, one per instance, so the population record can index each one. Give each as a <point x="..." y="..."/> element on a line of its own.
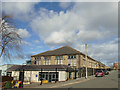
<point x="38" y="67"/>
<point x="65" y="50"/>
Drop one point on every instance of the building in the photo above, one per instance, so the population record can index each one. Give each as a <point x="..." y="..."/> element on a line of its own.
<point x="68" y="56"/>
<point x="28" y="62"/>
<point x="33" y="73"/>
<point x="116" y="66"/>
<point x="3" y="69"/>
<point x="60" y="64"/>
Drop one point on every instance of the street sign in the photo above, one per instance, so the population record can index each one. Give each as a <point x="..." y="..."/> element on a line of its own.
<point x="36" y="75"/>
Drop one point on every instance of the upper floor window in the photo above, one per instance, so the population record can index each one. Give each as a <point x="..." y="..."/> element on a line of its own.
<point x="37" y="58"/>
<point x="47" y="58"/>
<point x="71" y="56"/>
<point x="35" y="62"/>
<point x="59" y="57"/>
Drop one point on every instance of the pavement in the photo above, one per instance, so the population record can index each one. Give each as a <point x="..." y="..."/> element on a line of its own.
<point x="90" y="82"/>
<point x="59" y="84"/>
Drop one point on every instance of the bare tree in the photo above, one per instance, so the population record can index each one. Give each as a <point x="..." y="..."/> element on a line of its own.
<point x="9" y="39"/>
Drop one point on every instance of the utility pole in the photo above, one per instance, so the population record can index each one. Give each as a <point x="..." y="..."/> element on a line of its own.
<point x="86" y="58"/>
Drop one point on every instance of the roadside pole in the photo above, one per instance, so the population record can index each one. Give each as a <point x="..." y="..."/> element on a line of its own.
<point x="41" y="77"/>
<point x="86" y="58"/>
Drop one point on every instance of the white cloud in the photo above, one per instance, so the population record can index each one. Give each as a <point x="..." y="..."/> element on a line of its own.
<point x="25" y="43"/>
<point x="20" y="10"/>
<point x="88" y="19"/>
<point x="105" y="52"/>
<point x="36" y="41"/>
<point x="23" y="33"/>
<point x="84" y="23"/>
<point x="39" y="46"/>
<point x="65" y="5"/>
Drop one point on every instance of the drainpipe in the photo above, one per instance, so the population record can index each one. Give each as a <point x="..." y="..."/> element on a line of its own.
<point x="67" y="73"/>
<point x="75" y="73"/>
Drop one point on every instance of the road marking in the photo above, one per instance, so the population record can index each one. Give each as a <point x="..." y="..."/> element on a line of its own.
<point x="72" y="83"/>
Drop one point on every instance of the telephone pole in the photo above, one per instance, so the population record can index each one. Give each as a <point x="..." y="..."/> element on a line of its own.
<point x="86" y="58"/>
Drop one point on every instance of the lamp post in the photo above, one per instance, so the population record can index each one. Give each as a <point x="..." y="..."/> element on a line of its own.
<point x="86" y="58"/>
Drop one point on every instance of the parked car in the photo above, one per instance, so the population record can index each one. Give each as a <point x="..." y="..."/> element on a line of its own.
<point x="99" y="73"/>
<point x="106" y="72"/>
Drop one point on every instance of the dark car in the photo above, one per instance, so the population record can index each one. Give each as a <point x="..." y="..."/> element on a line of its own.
<point x="106" y="72"/>
<point x="99" y="73"/>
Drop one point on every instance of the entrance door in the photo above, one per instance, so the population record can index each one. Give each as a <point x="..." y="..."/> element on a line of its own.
<point x="21" y="76"/>
<point x="69" y="74"/>
<point x="50" y="77"/>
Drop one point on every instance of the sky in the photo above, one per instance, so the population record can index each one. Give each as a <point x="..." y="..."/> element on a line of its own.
<point x="50" y="25"/>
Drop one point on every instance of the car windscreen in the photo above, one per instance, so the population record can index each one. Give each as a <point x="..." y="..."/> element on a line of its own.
<point x="99" y="71"/>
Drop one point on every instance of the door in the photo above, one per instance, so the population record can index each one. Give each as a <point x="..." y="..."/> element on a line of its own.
<point x="21" y="76"/>
<point x="50" y="77"/>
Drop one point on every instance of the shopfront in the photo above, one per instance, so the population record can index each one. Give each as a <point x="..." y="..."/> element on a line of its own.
<point x="50" y="76"/>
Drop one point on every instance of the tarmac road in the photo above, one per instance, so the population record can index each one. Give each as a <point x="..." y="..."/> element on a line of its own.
<point x="108" y="81"/>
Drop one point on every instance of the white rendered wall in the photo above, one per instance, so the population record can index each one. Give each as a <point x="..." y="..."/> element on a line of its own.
<point x="62" y="76"/>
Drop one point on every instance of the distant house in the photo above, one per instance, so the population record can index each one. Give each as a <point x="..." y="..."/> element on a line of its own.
<point x="3" y="69"/>
<point x="28" y="62"/>
<point x="116" y="65"/>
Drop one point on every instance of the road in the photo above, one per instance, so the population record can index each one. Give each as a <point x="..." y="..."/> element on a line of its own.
<point x="108" y="81"/>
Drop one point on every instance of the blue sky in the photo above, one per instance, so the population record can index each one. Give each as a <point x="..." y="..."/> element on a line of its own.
<point x="49" y="25"/>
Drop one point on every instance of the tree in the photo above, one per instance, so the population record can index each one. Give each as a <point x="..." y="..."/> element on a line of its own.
<point x="9" y="39"/>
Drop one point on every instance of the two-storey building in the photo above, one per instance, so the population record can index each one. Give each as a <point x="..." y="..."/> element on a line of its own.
<point x="60" y="64"/>
<point x="67" y="56"/>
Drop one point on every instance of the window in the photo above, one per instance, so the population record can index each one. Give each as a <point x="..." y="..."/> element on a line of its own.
<point x="83" y="62"/>
<point x="68" y="64"/>
<point x="59" y="60"/>
<point x="74" y="56"/>
<point x="71" y="56"/>
<point x="72" y="60"/>
<point x="62" y="57"/>
<point x="9" y="74"/>
<point x="35" y="62"/>
<point x="59" y="57"/>
<point x="47" y="58"/>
